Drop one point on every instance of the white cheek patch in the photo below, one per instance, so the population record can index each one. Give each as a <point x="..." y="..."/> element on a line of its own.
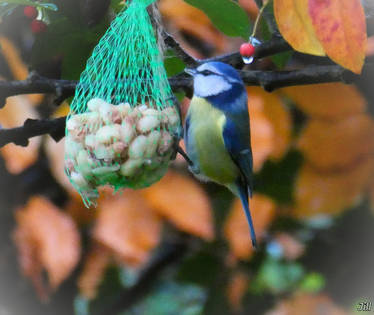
<point x="210" y="85"/>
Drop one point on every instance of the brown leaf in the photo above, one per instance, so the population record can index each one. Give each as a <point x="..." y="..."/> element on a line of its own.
<point x="279" y="117"/>
<point x="330" y="193"/>
<point x="236" y="289"/>
<point x="307" y="304"/>
<point x="340" y="27"/>
<point x="128" y="227"/>
<point x="46" y="238"/>
<point x="331" y="101"/>
<point x="236" y="228"/>
<point x="93" y="271"/>
<point x="182" y="201"/>
<point x="295" y="25"/>
<point x="343" y="142"/>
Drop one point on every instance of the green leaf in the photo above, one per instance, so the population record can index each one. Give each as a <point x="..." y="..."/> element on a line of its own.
<point x="277" y="277"/>
<point x="276" y="179"/>
<point x="226" y="15"/>
<point x="313" y="282"/>
<point x="173" y="64"/>
<point x="170" y="298"/>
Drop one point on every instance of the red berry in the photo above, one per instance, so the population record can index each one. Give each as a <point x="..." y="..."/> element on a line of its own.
<point x="247" y="50"/>
<point x="38" y="26"/>
<point x="30" y="12"/>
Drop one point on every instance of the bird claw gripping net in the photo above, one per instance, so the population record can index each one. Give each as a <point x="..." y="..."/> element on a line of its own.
<point x="123" y="121"/>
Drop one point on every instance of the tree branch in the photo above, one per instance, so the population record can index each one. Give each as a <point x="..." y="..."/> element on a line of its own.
<point x="269" y="80"/>
<point x="32" y="128"/>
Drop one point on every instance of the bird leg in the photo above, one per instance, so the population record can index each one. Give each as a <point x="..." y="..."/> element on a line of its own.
<point x="185" y="156"/>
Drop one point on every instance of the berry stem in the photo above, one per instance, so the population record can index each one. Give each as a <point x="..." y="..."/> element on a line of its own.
<point x="258" y="18"/>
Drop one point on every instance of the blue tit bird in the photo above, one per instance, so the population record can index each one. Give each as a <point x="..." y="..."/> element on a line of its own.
<point x="217" y="132"/>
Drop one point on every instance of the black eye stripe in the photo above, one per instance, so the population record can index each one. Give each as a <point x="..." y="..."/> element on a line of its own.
<point x="208" y="72"/>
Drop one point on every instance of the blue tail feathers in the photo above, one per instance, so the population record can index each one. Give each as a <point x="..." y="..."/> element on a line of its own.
<point x="243" y="193"/>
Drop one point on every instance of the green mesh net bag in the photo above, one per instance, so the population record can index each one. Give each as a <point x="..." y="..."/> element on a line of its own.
<point x="123" y="122"/>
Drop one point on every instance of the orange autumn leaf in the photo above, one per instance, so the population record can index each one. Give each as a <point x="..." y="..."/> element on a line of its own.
<point x="17" y="66"/>
<point x="128" y="227"/>
<point x="340" y="27"/>
<point x="14" y="114"/>
<point x="78" y="211"/>
<point x="191" y="20"/>
<point x="236" y="289"/>
<point x="48" y="239"/>
<point x="370" y="46"/>
<point x="371" y="194"/>
<point x="13" y="59"/>
<point x="279" y="117"/>
<point x="250" y="6"/>
<point x="93" y="271"/>
<point x="343" y="142"/>
<point x="55" y="152"/>
<point x="296" y="27"/>
<point x="330" y="192"/>
<point x="331" y="101"/>
<point x="307" y="304"/>
<point x="262" y="132"/>
<point x="236" y="228"/>
<point x="184" y="203"/>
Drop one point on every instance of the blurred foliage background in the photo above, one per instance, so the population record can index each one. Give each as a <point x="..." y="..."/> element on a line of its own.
<point x="180" y="246"/>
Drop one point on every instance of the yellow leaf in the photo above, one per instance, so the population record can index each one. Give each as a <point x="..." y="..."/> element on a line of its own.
<point x="128" y="227"/>
<point x="330" y="193"/>
<point x="296" y="27"/>
<point x="236" y="228"/>
<point x="183" y="202"/>
<point x="331" y="101"/>
<point x="93" y="271"/>
<point x="278" y="116"/>
<point x="46" y="238"/>
<point x="342" y="143"/>
<point x="340" y="27"/>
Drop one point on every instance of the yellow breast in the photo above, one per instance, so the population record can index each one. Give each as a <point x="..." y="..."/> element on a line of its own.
<point x="206" y="126"/>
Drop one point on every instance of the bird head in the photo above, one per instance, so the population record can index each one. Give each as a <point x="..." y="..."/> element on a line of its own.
<point x="213" y="78"/>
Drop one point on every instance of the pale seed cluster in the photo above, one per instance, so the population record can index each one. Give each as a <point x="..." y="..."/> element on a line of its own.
<point x="119" y="145"/>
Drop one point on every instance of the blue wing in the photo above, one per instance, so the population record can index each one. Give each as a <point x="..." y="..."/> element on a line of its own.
<point x="236" y="136"/>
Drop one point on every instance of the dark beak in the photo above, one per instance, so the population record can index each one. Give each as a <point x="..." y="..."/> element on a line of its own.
<point x="190" y="71"/>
